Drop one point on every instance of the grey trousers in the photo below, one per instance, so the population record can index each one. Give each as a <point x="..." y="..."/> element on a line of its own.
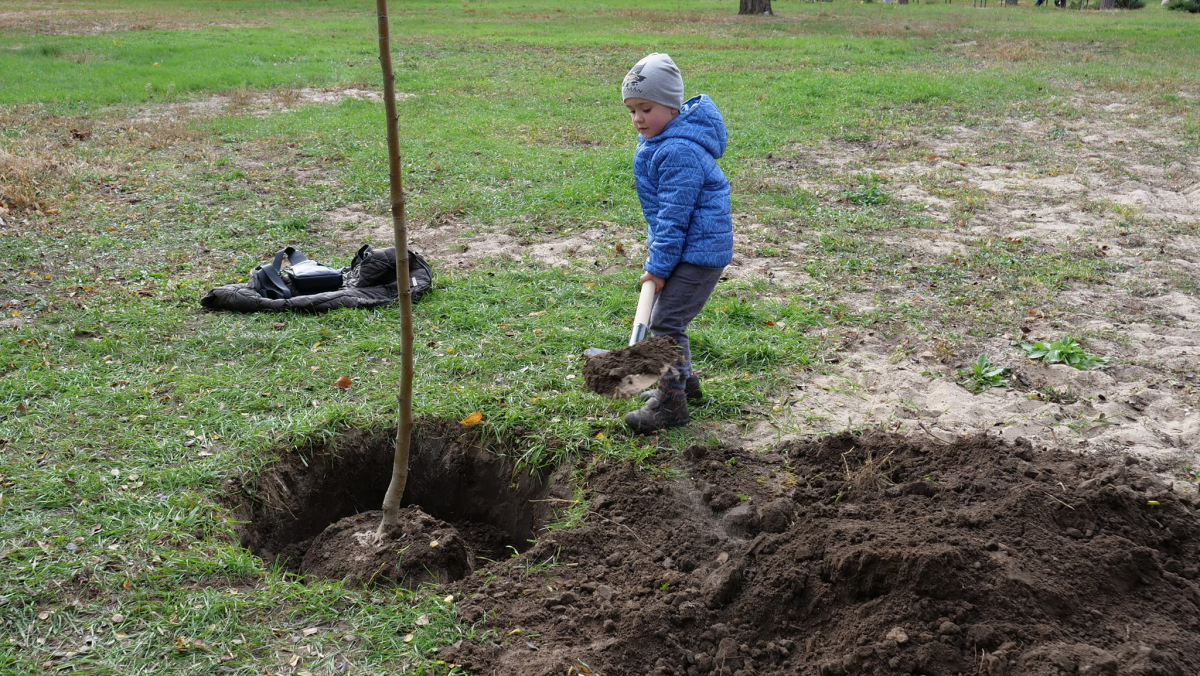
<point x="682" y="298"/>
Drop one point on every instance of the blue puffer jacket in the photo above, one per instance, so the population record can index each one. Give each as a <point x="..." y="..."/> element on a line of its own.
<point x="684" y="194"/>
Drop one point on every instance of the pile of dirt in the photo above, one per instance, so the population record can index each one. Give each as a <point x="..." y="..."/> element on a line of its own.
<point x="878" y="554"/>
<point x="419" y="549"/>
<point x="628" y="371"/>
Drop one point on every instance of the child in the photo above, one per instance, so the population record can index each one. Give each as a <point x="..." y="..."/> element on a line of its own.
<point x="685" y="199"/>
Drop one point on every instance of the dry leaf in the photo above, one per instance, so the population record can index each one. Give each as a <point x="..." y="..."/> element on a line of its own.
<point x="514" y="631"/>
<point x="118" y="617"/>
<point x="449" y="599"/>
<point x="126" y="585"/>
<point x="343" y="382"/>
<point x="408" y="638"/>
<point x="310" y="631"/>
<point x="473" y="419"/>
<point x="539" y="313"/>
<point x="435" y="544"/>
<point x="422" y="620"/>
<point x="44" y="615"/>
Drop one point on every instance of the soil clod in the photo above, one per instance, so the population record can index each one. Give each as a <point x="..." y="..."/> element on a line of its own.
<point x="628" y="371"/>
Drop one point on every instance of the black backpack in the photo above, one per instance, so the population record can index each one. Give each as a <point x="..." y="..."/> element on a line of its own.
<point x="306" y="277"/>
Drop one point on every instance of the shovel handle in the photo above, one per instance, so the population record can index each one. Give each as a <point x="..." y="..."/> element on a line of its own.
<point x="641" y="318"/>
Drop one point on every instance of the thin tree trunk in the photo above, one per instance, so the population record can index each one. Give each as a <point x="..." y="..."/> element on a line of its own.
<point x="395" y="491"/>
<point x="755" y="7"/>
<point x="1106" y="4"/>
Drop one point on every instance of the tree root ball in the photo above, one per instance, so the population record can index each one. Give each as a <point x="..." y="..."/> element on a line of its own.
<point x="419" y="549"/>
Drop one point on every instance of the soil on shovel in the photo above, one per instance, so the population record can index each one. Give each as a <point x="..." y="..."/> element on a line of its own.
<point x="628" y="371"/>
<point x="877" y="554"/>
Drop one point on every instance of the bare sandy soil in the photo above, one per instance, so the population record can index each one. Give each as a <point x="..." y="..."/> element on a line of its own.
<point x="65" y="19"/>
<point x="1108" y="184"/>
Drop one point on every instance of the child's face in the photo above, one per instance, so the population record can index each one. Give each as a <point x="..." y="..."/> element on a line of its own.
<point x="649" y="117"/>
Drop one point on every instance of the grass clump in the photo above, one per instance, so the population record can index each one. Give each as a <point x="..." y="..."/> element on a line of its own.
<point x="983" y="375"/>
<point x="1063" y="351"/>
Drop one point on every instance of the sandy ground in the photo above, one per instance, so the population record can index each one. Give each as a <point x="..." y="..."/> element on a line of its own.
<point x="1106" y="181"/>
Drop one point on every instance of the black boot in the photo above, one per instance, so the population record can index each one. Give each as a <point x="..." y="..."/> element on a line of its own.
<point x="691" y="387"/>
<point x="667" y="408"/>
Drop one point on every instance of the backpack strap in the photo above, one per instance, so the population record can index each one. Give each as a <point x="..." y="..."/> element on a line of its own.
<point x="294" y="257"/>
<point x="272" y="271"/>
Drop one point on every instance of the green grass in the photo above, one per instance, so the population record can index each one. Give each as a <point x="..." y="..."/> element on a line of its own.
<point x="123" y="407"/>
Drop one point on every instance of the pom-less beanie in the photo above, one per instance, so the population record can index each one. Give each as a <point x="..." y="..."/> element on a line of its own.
<point x="655" y="78"/>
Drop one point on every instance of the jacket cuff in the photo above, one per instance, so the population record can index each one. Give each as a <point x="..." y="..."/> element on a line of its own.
<point x="659" y="270"/>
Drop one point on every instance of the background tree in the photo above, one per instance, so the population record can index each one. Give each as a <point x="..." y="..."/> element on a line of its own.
<point x="755" y="7"/>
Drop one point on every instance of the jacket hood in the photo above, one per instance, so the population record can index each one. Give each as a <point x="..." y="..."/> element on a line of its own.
<point x="698" y="121"/>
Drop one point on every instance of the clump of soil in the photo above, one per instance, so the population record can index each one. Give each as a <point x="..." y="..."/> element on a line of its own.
<point x="628" y="371"/>
<point x="878" y="554"/>
<point x="419" y="549"/>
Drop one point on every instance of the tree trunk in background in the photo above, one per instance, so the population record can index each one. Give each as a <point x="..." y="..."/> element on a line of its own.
<point x="755" y="7"/>
<point x="395" y="491"/>
<point x="1106" y="4"/>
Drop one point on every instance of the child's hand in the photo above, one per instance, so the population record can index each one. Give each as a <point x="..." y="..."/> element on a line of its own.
<point x="658" y="281"/>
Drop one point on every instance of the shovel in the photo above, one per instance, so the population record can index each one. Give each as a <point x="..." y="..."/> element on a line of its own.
<point x="625" y="372"/>
<point x="641" y="320"/>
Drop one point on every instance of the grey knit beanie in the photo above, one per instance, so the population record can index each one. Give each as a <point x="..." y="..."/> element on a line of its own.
<point x="655" y="78"/>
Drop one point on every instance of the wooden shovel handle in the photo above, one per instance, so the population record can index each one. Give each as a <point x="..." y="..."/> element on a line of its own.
<point x="641" y="318"/>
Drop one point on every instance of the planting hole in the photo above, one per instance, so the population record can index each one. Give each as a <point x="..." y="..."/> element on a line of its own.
<point x="464" y="504"/>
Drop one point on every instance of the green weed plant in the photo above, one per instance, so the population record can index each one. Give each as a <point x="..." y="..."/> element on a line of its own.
<point x="1063" y="351"/>
<point x="983" y="375"/>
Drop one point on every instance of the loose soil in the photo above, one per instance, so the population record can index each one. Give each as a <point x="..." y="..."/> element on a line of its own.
<point x="877" y="554"/>
<point x="629" y="370"/>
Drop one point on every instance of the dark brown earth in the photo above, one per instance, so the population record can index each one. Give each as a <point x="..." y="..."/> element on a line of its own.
<point x="454" y="476"/>
<point x="853" y="555"/>
<point x="624" y="372"/>
<point x="420" y="549"/>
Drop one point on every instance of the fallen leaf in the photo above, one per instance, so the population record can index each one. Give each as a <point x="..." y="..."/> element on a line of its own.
<point x="514" y="631"/>
<point x="422" y="620"/>
<point x="473" y="419"/>
<point x="310" y="631"/>
<point x="126" y="585"/>
<point x="589" y="285"/>
<point x="44" y="615"/>
<point x="408" y="638"/>
<point x="118" y="617"/>
<point x="449" y="599"/>
<point x="343" y="383"/>
<point x="435" y="544"/>
<point x="539" y="313"/>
